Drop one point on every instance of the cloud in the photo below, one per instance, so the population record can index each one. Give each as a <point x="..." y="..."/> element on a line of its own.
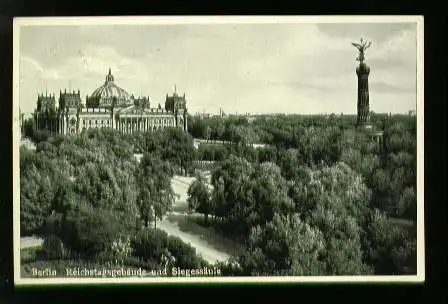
<point x="30" y="67"/>
<point x="302" y="68"/>
<point x="93" y="62"/>
<point x="33" y="63"/>
<point x="384" y="87"/>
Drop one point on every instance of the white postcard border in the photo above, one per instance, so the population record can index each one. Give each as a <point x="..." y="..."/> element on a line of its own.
<point x="159" y="20"/>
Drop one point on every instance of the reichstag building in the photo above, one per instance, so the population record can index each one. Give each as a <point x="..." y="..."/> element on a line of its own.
<point x="108" y="106"/>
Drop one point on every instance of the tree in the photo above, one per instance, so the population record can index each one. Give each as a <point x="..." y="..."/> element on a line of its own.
<point x="207" y="132"/>
<point x="343" y="253"/>
<point x="392" y="247"/>
<point x="53" y="248"/>
<point x="345" y="189"/>
<point x="196" y="126"/>
<point x="36" y="196"/>
<point x="288" y="160"/>
<point x="246" y="195"/>
<point x="90" y="231"/>
<point x="270" y="193"/>
<point x="220" y="129"/>
<point x="407" y="205"/>
<point x="177" y="147"/>
<point x="105" y="187"/>
<point x="220" y="153"/>
<point x="29" y="128"/>
<point x="199" y="197"/>
<point x="155" y="194"/>
<point x="284" y="246"/>
<point x="231" y="182"/>
<point x="335" y="201"/>
<point x="267" y="155"/>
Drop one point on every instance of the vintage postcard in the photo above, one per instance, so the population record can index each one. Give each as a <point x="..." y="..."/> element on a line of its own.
<point x="218" y="149"/>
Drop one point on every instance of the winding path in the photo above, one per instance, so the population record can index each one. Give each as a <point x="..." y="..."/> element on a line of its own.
<point x="30" y="241"/>
<point x="211" y="248"/>
<point x="176" y="224"/>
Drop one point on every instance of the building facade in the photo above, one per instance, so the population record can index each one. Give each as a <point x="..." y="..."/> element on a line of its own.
<point x="109" y="106"/>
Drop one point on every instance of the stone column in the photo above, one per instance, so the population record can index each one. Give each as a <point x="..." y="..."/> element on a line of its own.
<point x="363" y="119"/>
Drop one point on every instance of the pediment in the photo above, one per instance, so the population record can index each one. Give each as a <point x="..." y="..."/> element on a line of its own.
<point x="133" y="110"/>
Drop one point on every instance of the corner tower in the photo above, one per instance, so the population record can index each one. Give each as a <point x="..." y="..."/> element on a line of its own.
<point x="177" y="105"/>
<point x="69" y="108"/>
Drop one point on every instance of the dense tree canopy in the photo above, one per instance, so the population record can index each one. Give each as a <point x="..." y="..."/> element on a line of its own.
<point x="322" y="172"/>
<point x="320" y="198"/>
<point x="88" y="185"/>
<point x="284" y="246"/>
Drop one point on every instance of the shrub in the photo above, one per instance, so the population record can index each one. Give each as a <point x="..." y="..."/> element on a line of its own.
<point x="53" y="248"/>
<point x="90" y="231"/>
<point x="150" y="244"/>
<point x="53" y="224"/>
<point x="230" y="268"/>
<point x="121" y="248"/>
<point x="184" y="254"/>
<point x="29" y="255"/>
<point x="154" y="245"/>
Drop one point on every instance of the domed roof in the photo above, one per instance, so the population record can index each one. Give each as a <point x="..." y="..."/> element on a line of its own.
<point x="107" y="92"/>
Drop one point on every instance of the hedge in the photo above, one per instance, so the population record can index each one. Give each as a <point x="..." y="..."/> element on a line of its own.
<point x="153" y="244"/>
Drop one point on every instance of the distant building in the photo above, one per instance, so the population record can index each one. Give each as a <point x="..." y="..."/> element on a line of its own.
<point x="209" y="115"/>
<point x="109" y="106"/>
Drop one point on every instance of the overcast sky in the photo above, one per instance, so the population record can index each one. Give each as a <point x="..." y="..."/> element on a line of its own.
<point x="256" y="68"/>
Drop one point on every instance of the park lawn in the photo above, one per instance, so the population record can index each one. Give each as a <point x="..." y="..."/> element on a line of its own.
<point x="30" y="254"/>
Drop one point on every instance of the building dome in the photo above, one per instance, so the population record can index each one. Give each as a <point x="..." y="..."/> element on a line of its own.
<point x="105" y="95"/>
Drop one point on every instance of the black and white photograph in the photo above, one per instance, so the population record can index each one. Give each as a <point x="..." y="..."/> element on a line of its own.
<point x="218" y="149"/>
